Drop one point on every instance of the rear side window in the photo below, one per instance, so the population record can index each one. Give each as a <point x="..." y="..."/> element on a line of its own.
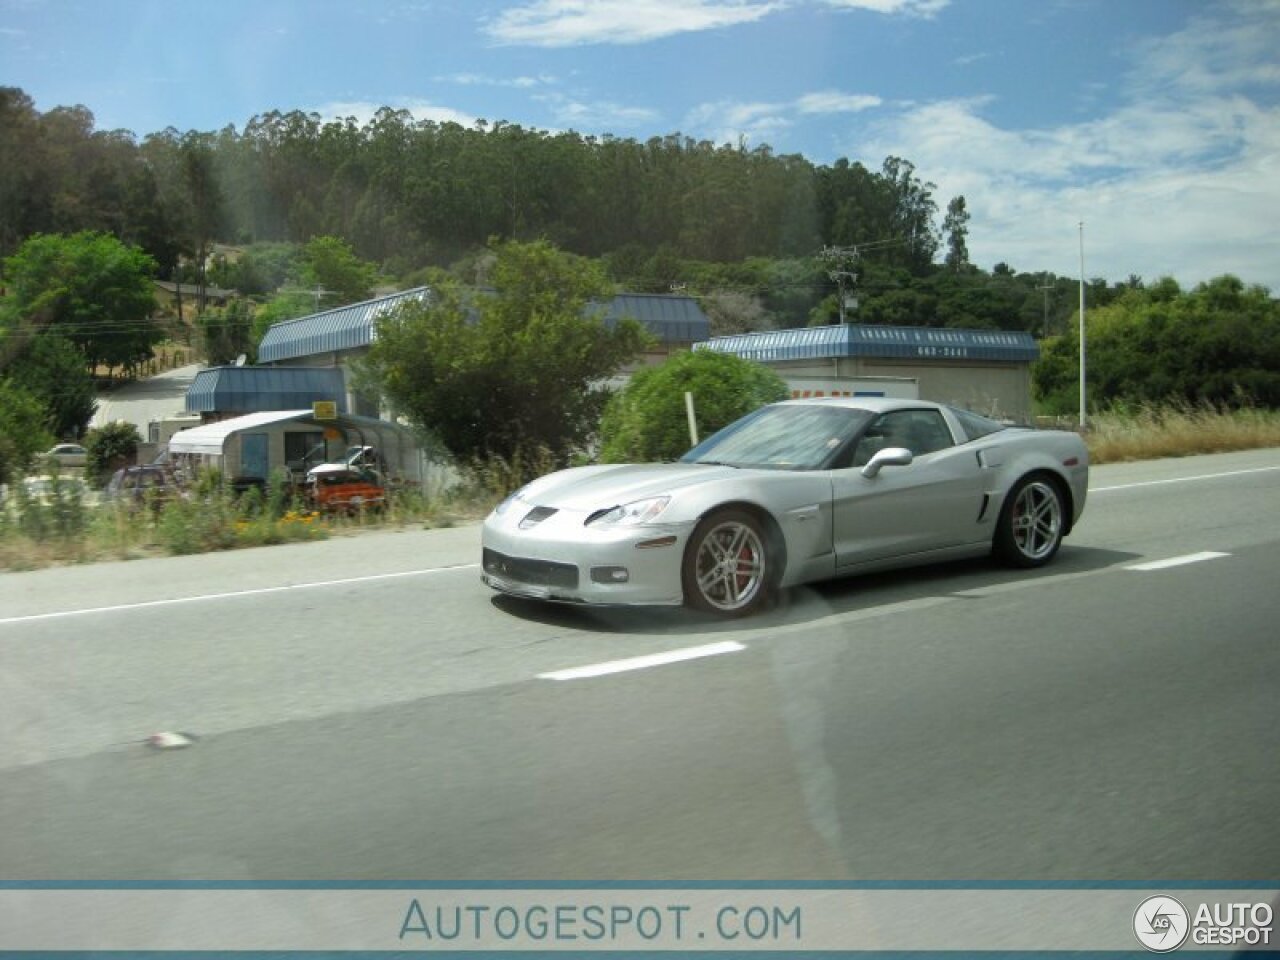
<point x="975" y="425"/>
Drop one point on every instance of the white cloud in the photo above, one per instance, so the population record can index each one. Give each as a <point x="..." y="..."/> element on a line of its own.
<point x="566" y="23"/>
<point x="1182" y="179"/>
<point x="728" y="121"/>
<point x="482" y="80"/>
<point x="363" y="111"/>
<point x="602" y="116"/>
<point x="915" y="8"/>
<point x="833" y="101"/>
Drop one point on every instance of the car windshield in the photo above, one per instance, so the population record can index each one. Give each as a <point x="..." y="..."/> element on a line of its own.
<point x="782" y="437"/>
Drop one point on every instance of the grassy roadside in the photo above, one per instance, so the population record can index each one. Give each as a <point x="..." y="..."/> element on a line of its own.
<point x="64" y="530"/>
<point x="1149" y="433"/>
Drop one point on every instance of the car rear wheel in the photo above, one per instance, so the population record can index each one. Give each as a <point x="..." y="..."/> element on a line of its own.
<point x="1031" y="523"/>
<point x="728" y="569"/>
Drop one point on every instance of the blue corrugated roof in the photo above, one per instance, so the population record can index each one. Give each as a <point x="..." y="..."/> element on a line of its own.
<point x="252" y="389"/>
<point x="899" y="343"/>
<point x="345" y="328"/>
<point x="670" y="318"/>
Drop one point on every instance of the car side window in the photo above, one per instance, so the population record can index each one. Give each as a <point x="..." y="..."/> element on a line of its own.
<point x="920" y="431"/>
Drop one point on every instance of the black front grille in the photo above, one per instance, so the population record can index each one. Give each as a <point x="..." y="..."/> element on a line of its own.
<point x="538" y="573"/>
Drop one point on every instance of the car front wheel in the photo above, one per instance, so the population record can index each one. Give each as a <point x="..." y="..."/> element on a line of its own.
<point x="727" y="565"/>
<point x="1031" y="523"/>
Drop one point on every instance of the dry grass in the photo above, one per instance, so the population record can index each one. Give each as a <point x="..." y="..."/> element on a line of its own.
<point x="1148" y="433"/>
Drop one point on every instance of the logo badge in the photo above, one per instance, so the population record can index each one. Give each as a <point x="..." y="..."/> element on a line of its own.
<point x="1161" y="924"/>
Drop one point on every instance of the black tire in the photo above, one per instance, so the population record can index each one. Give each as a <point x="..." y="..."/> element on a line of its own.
<point x="728" y="566"/>
<point x="1031" y="523"/>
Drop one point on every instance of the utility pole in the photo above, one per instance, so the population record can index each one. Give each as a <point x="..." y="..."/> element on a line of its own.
<point x="843" y="260"/>
<point x="1044" y="330"/>
<point x="1082" y="348"/>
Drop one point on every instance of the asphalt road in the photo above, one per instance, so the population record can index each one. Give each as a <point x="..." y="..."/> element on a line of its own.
<point x="366" y="709"/>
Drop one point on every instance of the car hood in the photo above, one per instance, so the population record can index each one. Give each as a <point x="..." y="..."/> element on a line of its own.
<point x="600" y="487"/>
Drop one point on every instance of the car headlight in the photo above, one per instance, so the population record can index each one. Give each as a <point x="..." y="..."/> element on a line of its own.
<point x="505" y="505"/>
<point x="630" y="514"/>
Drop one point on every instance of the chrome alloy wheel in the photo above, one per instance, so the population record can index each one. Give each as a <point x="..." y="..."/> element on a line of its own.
<point x="730" y="566"/>
<point x="1036" y="522"/>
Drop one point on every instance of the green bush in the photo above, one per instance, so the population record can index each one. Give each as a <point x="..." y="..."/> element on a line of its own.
<point x="647" y="420"/>
<point x="108" y="448"/>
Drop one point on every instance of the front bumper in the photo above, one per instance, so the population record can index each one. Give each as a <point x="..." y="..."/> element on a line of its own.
<point x="562" y="559"/>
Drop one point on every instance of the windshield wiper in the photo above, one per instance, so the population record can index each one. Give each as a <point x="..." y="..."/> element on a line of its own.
<point x="715" y="463"/>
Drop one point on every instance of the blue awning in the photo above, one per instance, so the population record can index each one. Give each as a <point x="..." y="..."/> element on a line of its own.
<point x="251" y="389"/>
<point x="896" y="343"/>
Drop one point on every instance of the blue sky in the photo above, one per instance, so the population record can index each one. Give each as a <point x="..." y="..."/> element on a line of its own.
<point x="1155" y="122"/>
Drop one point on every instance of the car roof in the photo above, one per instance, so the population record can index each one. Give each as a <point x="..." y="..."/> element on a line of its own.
<point x="872" y="404"/>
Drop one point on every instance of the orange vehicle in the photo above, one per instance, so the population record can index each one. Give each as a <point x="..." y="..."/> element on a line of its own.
<point x="337" y="487"/>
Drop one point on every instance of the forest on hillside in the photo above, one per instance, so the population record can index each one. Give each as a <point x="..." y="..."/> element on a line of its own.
<point x="294" y="214"/>
<point x="746" y="228"/>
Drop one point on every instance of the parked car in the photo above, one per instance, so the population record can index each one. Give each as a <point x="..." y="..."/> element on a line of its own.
<point x="138" y="485"/>
<point x="336" y="487"/>
<point x="795" y="492"/>
<point x="41" y="489"/>
<point x="68" y="454"/>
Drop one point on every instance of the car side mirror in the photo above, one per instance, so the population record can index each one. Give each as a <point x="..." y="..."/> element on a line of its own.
<point x="888" y="457"/>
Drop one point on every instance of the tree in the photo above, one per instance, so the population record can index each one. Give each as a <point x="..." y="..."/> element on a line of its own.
<point x="227" y="333"/>
<point x="52" y="371"/>
<point x="1218" y="344"/>
<point x="108" y="448"/>
<point x="956" y="228"/>
<point x="331" y="266"/>
<point x="647" y="420"/>
<point x="204" y="203"/>
<point x="512" y="373"/>
<point x="88" y="288"/>
<point x="22" y="430"/>
<point x="732" y="311"/>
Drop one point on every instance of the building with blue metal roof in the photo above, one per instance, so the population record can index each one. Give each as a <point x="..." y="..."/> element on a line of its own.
<point x="983" y="370"/>
<point x="331" y="332"/>
<point x="221" y="392"/>
<point x="332" y="337"/>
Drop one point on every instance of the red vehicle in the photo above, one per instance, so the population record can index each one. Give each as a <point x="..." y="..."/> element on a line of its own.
<point x="337" y="487"/>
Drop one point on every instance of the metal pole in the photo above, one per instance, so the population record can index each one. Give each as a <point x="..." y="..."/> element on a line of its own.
<point x="693" y="424"/>
<point x="1083" y="423"/>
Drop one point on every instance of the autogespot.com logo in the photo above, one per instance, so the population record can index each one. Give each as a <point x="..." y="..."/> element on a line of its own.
<point x="1161" y="923"/>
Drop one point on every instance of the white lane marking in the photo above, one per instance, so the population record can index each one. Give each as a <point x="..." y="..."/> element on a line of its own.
<point x="642" y="663"/>
<point x="1203" y="476"/>
<point x="1178" y="561"/>
<point x="173" y="601"/>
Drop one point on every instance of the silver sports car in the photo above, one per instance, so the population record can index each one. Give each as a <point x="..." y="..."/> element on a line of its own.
<point x="794" y="492"/>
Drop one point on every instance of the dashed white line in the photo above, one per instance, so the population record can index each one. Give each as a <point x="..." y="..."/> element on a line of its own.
<point x="1178" y="561"/>
<point x="173" y="601"/>
<point x="1203" y="476"/>
<point x="642" y="663"/>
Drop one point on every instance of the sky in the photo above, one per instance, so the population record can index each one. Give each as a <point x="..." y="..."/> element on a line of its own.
<point x="1154" y="123"/>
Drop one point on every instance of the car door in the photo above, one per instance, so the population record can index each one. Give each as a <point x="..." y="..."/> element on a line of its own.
<point x="930" y="504"/>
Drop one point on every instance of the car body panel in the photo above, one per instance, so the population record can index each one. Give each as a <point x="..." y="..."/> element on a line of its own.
<point x="336" y="487"/>
<point x="830" y="521"/>
<point x="68" y="454"/>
